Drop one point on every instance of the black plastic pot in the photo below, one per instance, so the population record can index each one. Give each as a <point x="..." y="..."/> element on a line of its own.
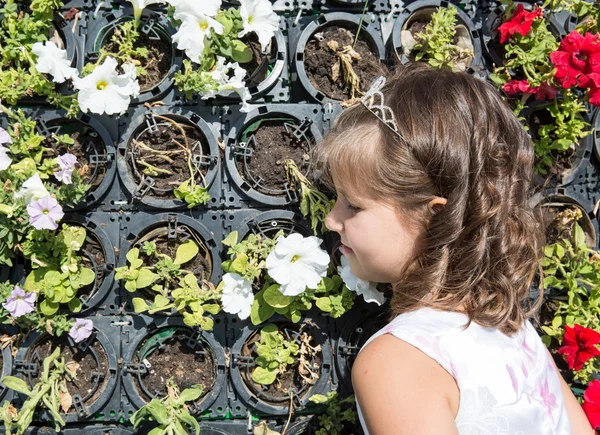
<point x="154" y="24"/>
<point x="356" y="328"/>
<point x="342" y="19"/>
<point x="27" y="364"/>
<point x="580" y="158"/>
<point x="489" y="31"/>
<point x="266" y="223"/>
<point x="596" y="133"/>
<point x="94" y="229"/>
<point x="248" y="189"/>
<point x="241" y="366"/>
<point x="176" y="226"/>
<point x="214" y="403"/>
<point x="424" y="8"/>
<point x="139" y="186"/>
<point x="101" y="161"/>
<point x="5" y="369"/>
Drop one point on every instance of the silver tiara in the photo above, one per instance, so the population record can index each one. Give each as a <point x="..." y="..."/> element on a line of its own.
<point x="373" y="101"/>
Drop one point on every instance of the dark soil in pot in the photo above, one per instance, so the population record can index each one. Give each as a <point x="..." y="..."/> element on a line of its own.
<point x="319" y="59"/>
<point x="87" y="143"/>
<point x="171" y="147"/>
<point x="271" y="145"/>
<point x="92" y="374"/>
<point x="287" y="380"/>
<point x="167" y="355"/>
<point x="158" y="62"/>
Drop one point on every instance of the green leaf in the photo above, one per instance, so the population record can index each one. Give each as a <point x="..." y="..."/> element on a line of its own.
<point x="160" y="301"/>
<point x="86" y="276"/>
<point x="191" y="394"/>
<point x="264" y="376"/>
<point x="186" y="252"/>
<point x="557" y="322"/>
<point x="16" y="384"/>
<point x="579" y="236"/>
<point x="231" y="239"/>
<point x="239" y="264"/>
<point x="48" y="308"/>
<point x="140" y="305"/>
<point x="145" y="278"/>
<point x="189" y="420"/>
<point x="240" y="51"/>
<point x="133" y="258"/>
<point x="212" y="308"/>
<point x="159" y="411"/>
<point x="324" y="304"/>
<point x="273" y="296"/>
<point x="75" y="305"/>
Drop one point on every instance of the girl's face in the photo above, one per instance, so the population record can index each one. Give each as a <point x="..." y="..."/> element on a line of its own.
<point x="375" y="241"/>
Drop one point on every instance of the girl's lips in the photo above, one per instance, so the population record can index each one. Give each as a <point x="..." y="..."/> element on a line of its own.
<point x="346" y="250"/>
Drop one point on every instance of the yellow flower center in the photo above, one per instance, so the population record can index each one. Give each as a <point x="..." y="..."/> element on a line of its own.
<point x="295" y="258"/>
<point x="101" y="85"/>
<point x="250" y="19"/>
<point x="204" y="26"/>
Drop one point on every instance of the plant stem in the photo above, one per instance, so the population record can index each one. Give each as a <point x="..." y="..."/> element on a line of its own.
<point x="362" y="17"/>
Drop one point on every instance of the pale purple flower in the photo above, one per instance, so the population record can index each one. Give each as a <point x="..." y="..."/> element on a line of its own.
<point x="44" y="213"/>
<point x="81" y="330"/>
<point x="4" y="136"/>
<point x="19" y="302"/>
<point x="67" y="164"/>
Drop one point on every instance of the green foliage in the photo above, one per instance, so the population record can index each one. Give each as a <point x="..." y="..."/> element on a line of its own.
<point x="313" y="202"/>
<point x="50" y="392"/>
<point x="333" y="297"/>
<point x="435" y="43"/>
<point x="228" y="45"/>
<point x="57" y="272"/>
<point x="572" y="269"/>
<point x="338" y="412"/>
<point x="18" y="33"/>
<point x="193" y="196"/>
<point x="562" y="135"/>
<point x="275" y="353"/>
<point x="176" y="287"/>
<point x="170" y="414"/>
<point x="587" y="12"/>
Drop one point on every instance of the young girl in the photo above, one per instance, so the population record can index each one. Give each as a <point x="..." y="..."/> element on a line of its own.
<point x="433" y="174"/>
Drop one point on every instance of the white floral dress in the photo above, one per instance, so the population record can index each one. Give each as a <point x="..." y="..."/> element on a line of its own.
<point x="508" y="385"/>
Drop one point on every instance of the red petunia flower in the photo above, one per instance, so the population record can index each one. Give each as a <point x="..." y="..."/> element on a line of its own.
<point x="513" y="87"/>
<point x="591" y="404"/>
<point x="546" y="92"/>
<point x="520" y="23"/>
<point x="594" y="90"/>
<point x="577" y="57"/>
<point x="579" y="346"/>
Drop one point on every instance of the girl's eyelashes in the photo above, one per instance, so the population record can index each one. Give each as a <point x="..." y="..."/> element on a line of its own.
<point x="353" y="208"/>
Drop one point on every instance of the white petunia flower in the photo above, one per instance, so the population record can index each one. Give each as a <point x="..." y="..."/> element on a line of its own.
<point x="197" y="8"/>
<point x="32" y="189"/>
<point x="297" y="263"/>
<point x="192" y="34"/>
<point x="237" y="296"/>
<point x="53" y="60"/>
<point x="5" y="160"/>
<point x="139" y="5"/>
<point x="258" y="17"/>
<point x="362" y="287"/>
<point x="131" y="72"/>
<point x="105" y="91"/>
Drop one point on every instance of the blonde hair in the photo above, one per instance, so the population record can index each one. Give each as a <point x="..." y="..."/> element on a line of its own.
<point x="458" y="140"/>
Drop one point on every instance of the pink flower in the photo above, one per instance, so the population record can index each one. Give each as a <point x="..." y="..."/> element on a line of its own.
<point x="577" y="57"/>
<point x="67" y="164"/>
<point x="546" y="92"/>
<point x="513" y="87"/>
<point x="19" y="302"/>
<point x="44" y="213"/>
<point x="548" y="398"/>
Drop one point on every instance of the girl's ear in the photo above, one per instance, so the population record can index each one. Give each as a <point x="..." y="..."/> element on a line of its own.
<point x="436" y="204"/>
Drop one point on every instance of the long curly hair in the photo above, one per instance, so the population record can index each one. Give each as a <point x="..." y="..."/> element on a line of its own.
<point x="458" y="140"/>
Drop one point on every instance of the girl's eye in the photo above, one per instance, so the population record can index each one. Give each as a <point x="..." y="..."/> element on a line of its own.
<point x="353" y="208"/>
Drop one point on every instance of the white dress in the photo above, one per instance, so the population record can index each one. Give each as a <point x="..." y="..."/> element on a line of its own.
<point x="508" y="385"/>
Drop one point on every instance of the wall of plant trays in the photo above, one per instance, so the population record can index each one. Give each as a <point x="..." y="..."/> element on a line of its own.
<point x="156" y="168"/>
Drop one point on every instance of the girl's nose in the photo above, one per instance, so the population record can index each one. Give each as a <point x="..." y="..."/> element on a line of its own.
<point x="331" y="220"/>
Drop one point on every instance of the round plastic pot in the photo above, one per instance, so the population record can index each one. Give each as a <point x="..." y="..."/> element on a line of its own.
<point x="426" y="7"/>
<point x="270" y="222"/>
<point x="82" y="412"/>
<point x="152" y="23"/>
<point x="100" y="292"/>
<point x="132" y="371"/>
<point x="342" y="19"/>
<point x="489" y="31"/>
<point x="257" y="400"/>
<point x="49" y="121"/>
<point x="580" y="158"/>
<point x="139" y="191"/>
<point x="7" y="362"/>
<point x="304" y="127"/>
